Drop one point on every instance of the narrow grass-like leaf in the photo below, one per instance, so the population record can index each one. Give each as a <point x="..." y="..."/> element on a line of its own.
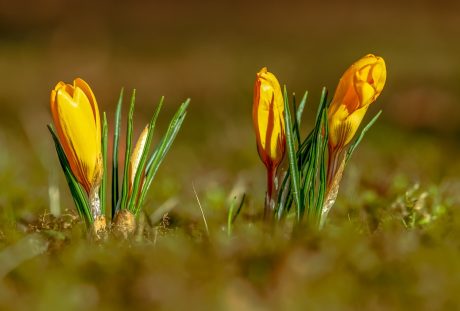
<point x="361" y="135"/>
<point x="301" y="107"/>
<point x="296" y="126"/>
<point x="162" y="149"/>
<point x="308" y="163"/>
<point x="202" y="211"/>
<point x="140" y="173"/>
<point x="285" y="198"/>
<point x="322" y="168"/>
<point x="292" y="157"/>
<point x="129" y="138"/>
<point x="116" y="138"/>
<point x="321" y="142"/>
<point x="240" y="207"/>
<point x="283" y="193"/>
<point x="78" y="195"/>
<point x="322" y="104"/>
<point x="173" y="128"/>
<point x="311" y="156"/>
<point x="102" y="190"/>
<point x="230" y="216"/>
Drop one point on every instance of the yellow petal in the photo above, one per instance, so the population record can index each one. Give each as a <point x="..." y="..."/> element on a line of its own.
<point x="73" y="115"/>
<point x="366" y="94"/>
<point x="359" y="87"/>
<point x="59" y="85"/>
<point x="80" y="83"/>
<point x="268" y="118"/>
<point x="379" y="75"/>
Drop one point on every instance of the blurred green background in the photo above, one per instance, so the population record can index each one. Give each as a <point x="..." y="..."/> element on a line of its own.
<point x="210" y="51"/>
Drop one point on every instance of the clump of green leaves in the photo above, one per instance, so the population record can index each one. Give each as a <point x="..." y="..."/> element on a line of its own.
<point x="123" y="198"/>
<point x="149" y="161"/>
<point x="304" y="191"/>
<point x="304" y="184"/>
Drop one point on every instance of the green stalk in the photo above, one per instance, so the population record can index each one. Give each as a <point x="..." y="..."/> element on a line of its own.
<point x="116" y="138"/>
<point x="361" y="135"/>
<point x="229" y="218"/>
<point x="162" y="148"/>
<point x="129" y="138"/>
<point x="296" y="125"/>
<point x="78" y="195"/>
<point x="140" y="173"/>
<point x="301" y="108"/>
<point x="295" y="182"/>
<point x="313" y="156"/>
<point x="271" y="172"/>
<point x="102" y="190"/>
<point x="322" y="188"/>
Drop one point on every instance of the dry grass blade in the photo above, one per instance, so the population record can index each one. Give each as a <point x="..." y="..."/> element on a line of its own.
<point x="332" y="192"/>
<point x="201" y="209"/>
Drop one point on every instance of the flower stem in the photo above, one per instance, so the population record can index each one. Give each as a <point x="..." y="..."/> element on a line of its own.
<point x="332" y="191"/>
<point x="269" y="199"/>
<point x="332" y="165"/>
<point x="95" y="202"/>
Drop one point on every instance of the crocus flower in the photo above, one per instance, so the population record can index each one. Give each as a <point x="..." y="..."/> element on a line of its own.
<point x="76" y="117"/>
<point x="268" y="119"/>
<point x="359" y="87"/>
<point x="136" y="157"/>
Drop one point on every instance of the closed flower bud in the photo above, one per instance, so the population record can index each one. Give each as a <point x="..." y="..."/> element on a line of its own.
<point x="76" y="117"/>
<point x="136" y="157"/>
<point x="359" y="87"/>
<point x="268" y="119"/>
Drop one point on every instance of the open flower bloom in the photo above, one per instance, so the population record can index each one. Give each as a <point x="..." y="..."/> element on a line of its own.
<point x="76" y="117"/>
<point x="359" y="87"/>
<point x="268" y="119"/>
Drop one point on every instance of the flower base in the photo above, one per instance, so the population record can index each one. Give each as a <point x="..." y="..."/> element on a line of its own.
<point x="124" y="224"/>
<point x="99" y="229"/>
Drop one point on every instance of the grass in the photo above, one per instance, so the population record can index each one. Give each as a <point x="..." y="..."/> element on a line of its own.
<point x="178" y="267"/>
<point x="387" y="245"/>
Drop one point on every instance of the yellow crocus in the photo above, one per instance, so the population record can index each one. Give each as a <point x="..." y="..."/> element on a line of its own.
<point x="76" y="117"/>
<point x="359" y="87"/>
<point x="268" y="119"/>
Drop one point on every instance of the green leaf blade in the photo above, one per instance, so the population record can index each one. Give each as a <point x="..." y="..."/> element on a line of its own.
<point x="301" y="108"/>
<point x="140" y="173"/>
<point x="102" y="191"/>
<point x="129" y="138"/>
<point x="78" y="195"/>
<point x="116" y="138"/>
<point x="355" y="144"/>
<point x="162" y="149"/>
<point x="294" y="172"/>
